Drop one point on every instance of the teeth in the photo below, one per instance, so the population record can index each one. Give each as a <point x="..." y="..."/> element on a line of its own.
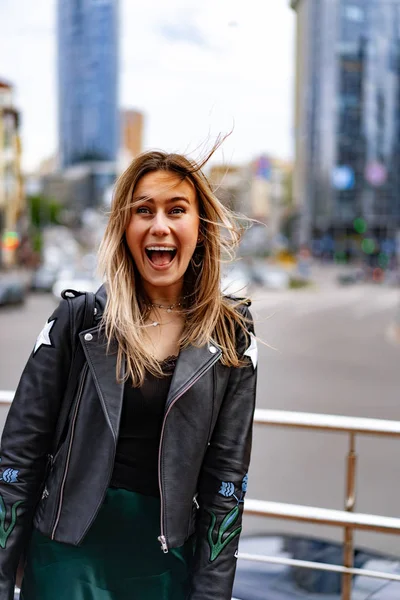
<point x="161" y="249"/>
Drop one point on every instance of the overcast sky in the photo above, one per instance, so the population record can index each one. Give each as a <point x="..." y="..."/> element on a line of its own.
<point x="195" y="68"/>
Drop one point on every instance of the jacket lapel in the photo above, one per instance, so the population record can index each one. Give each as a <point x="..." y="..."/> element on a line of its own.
<point x="103" y="364"/>
<point x="192" y="363"/>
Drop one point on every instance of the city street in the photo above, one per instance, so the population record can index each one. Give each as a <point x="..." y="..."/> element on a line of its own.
<point x="325" y="349"/>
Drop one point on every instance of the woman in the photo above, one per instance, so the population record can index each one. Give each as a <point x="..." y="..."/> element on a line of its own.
<point x="143" y="497"/>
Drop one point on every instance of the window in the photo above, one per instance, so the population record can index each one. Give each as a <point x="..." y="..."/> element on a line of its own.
<point x="354" y="13"/>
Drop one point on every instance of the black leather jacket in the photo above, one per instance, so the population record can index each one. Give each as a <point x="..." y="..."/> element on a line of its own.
<point x="203" y="459"/>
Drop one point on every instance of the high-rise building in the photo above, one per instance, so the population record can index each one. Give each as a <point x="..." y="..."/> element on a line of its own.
<point x="131" y="144"/>
<point x="347" y="120"/>
<point x="12" y="199"/>
<point x="87" y="81"/>
<point x="132" y="131"/>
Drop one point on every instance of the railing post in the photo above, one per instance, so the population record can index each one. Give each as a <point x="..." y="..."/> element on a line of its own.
<point x="348" y="557"/>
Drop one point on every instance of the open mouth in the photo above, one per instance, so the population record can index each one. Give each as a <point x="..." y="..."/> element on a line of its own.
<point x="160" y="255"/>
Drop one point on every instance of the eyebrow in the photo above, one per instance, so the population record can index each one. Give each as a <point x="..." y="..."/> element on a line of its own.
<point x="170" y="200"/>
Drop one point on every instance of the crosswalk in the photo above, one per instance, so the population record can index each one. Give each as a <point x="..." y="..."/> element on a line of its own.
<point x="358" y="302"/>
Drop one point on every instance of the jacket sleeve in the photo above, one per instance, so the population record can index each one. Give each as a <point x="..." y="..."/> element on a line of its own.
<point x="223" y="482"/>
<point x="27" y="439"/>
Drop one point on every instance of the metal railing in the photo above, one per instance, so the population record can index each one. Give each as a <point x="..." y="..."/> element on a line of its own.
<point x="6" y="397"/>
<point x="347" y="518"/>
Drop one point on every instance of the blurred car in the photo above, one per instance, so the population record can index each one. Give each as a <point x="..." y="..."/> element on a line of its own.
<point x="43" y="279"/>
<point x="269" y="276"/>
<point x="268" y="581"/>
<point x="12" y="291"/>
<point x="70" y="280"/>
<point x="235" y="281"/>
<point x="351" y="277"/>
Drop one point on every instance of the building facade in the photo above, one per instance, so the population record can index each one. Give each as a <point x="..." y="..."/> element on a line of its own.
<point x="12" y="199"/>
<point x="347" y="121"/>
<point x="258" y="190"/>
<point x="132" y="124"/>
<point x="87" y="34"/>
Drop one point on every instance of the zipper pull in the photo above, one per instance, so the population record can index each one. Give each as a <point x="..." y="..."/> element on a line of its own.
<point x="197" y="505"/>
<point x="45" y="494"/>
<point x="163" y="543"/>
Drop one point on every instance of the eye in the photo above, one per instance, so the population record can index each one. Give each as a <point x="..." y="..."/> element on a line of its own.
<point x="177" y="210"/>
<point x="142" y="210"/>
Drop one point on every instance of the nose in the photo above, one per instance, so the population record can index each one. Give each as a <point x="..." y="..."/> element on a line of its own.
<point x="160" y="225"/>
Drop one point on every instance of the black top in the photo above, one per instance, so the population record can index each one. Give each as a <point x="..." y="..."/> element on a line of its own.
<point x="136" y="460"/>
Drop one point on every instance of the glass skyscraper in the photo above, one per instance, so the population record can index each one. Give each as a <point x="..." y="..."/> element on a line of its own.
<point x="87" y="33"/>
<point x="347" y="175"/>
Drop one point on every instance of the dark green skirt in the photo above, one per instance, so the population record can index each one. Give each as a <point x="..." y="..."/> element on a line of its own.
<point x="119" y="559"/>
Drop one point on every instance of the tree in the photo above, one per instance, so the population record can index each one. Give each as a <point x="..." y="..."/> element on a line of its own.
<point x="43" y="211"/>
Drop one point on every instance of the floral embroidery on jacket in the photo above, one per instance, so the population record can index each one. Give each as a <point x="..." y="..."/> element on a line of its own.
<point x="5" y="532"/>
<point x="9" y="476"/>
<point x="217" y="546"/>
<point x="227" y="489"/>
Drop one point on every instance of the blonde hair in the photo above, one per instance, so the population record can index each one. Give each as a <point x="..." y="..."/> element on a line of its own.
<point x="208" y="314"/>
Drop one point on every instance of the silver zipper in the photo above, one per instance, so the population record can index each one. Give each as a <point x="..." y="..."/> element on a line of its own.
<point x="162" y="538"/>
<point x="197" y="505"/>
<point x="163" y="541"/>
<point x="79" y="396"/>
<point x="45" y="493"/>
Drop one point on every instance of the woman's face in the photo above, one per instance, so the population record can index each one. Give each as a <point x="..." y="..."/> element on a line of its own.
<point x="163" y="231"/>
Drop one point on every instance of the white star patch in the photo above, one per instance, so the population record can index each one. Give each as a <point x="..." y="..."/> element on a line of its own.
<point x="44" y="337"/>
<point x="252" y="351"/>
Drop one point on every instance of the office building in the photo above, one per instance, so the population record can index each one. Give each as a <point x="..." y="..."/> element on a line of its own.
<point x="258" y="189"/>
<point x="347" y="121"/>
<point x="87" y="34"/>
<point x="132" y="122"/>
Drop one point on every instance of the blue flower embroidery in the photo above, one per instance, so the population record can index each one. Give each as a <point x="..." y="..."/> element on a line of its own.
<point x="244" y="483"/>
<point x="227" y="489"/>
<point x="10" y="476"/>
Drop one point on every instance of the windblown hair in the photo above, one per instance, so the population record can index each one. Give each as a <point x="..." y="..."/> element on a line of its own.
<point x="208" y="314"/>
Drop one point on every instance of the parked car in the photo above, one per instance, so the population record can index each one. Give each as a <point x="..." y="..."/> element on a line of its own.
<point x="268" y="581"/>
<point x="351" y="277"/>
<point x="71" y="280"/>
<point x="43" y="279"/>
<point x="272" y="277"/>
<point x="12" y="291"/>
<point x="235" y="281"/>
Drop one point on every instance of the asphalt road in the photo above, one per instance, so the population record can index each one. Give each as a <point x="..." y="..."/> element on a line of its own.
<point x="324" y="350"/>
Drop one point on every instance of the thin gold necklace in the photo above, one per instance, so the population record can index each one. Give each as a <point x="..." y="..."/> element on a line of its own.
<point x="158" y="323"/>
<point x="169" y="308"/>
